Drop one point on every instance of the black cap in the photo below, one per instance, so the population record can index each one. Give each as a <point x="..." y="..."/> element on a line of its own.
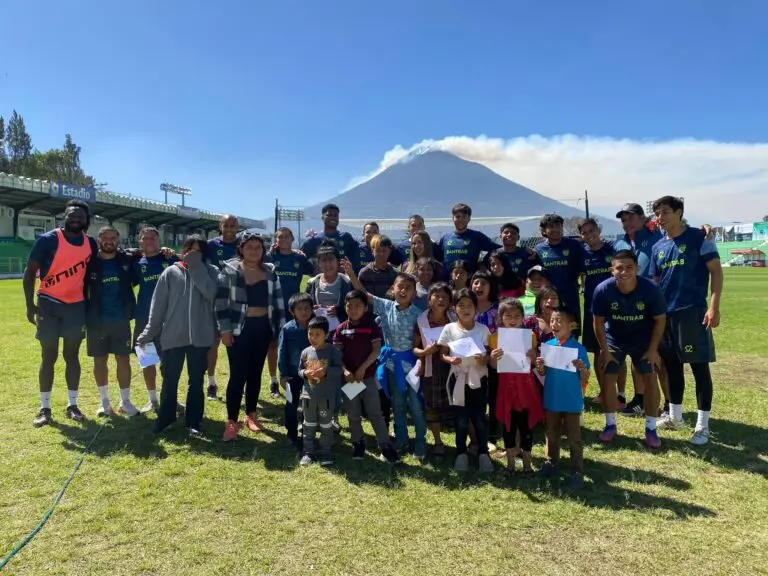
<point x="631" y="209"/>
<point x="538" y="269"/>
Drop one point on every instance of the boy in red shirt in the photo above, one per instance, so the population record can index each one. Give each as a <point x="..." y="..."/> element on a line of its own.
<point x="359" y="340"/>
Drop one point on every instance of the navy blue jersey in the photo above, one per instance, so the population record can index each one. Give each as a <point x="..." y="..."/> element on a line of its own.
<point x="145" y="274"/>
<point x="680" y="265"/>
<point x="220" y="251"/>
<point x="521" y="260"/>
<point x="628" y="317"/>
<point x="111" y="302"/>
<point x="291" y="268"/>
<point x="467" y="245"/>
<point x="642" y="247"/>
<point x="597" y="268"/>
<point x="563" y="265"/>
<point x="365" y="255"/>
<point x="347" y="246"/>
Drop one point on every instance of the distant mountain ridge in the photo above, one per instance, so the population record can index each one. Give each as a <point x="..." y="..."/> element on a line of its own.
<point x="428" y="182"/>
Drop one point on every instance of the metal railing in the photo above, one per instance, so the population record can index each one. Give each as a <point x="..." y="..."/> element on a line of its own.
<point x="11" y="265"/>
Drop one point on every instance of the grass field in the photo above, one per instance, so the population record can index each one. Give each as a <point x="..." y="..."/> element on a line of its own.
<point x="141" y="505"/>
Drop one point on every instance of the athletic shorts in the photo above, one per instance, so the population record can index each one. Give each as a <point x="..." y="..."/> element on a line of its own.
<point x="138" y="328"/>
<point x="588" y="339"/>
<point x="106" y="339"/>
<point x="58" y="320"/>
<point x="686" y="337"/>
<point x="636" y="354"/>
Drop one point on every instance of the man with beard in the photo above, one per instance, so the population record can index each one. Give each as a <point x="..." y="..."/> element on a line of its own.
<point x="61" y="257"/>
<point x="110" y="308"/>
<point x="220" y="249"/>
<point x="146" y="272"/>
<point x="346" y="245"/>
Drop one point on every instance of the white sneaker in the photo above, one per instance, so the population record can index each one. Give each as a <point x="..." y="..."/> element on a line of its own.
<point x="103" y="412"/>
<point x="667" y="422"/>
<point x="128" y="409"/>
<point x="700" y="436"/>
<point x="150" y="407"/>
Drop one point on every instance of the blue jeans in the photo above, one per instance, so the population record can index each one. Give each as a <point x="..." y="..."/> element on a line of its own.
<point x="402" y="401"/>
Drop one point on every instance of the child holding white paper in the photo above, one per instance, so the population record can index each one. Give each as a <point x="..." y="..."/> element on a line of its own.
<point x="320" y="367"/>
<point x="518" y="401"/>
<point x="564" y="397"/>
<point x="359" y="340"/>
<point x="432" y="370"/>
<point x="467" y="384"/>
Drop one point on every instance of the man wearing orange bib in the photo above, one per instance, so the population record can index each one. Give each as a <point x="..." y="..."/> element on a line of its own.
<point x="61" y="257"/>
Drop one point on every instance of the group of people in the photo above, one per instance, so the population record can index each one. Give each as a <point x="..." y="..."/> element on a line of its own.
<point x="376" y="330"/>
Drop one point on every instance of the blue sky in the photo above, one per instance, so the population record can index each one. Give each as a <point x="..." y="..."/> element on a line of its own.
<point x="244" y="101"/>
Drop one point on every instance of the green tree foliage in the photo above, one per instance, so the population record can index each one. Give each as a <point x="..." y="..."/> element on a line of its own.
<point x="17" y="156"/>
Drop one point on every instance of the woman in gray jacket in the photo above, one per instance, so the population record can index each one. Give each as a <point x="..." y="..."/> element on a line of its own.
<point x="181" y="316"/>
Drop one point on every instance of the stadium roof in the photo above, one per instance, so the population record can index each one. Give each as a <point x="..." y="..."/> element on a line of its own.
<point x="20" y="193"/>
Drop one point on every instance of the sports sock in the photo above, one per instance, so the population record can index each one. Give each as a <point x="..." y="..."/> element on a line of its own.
<point x="650" y="423"/>
<point x="581" y="419"/>
<point x="702" y="420"/>
<point x="72" y="396"/>
<point x="125" y="395"/>
<point x="676" y="411"/>
<point x="45" y="400"/>
<point x="211" y="381"/>
<point x="274" y="379"/>
<point x="610" y="418"/>
<point x="152" y="396"/>
<point x="104" y="394"/>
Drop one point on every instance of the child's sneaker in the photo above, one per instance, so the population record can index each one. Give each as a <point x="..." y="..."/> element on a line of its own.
<point x="358" y="450"/>
<point x="390" y="455"/>
<point x="700" y="436"/>
<point x="484" y="464"/>
<point x="652" y="438"/>
<point x="306" y="460"/>
<point x="576" y="481"/>
<point x="548" y="470"/>
<point x="326" y="459"/>
<point x="462" y="463"/>
<point x="667" y="422"/>
<point x="608" y="435"/>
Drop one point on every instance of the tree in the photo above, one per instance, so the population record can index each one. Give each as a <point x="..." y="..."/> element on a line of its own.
<point x="18" y="143"/>
<point x="3" y="156"/>
<point x="765" y="218"/>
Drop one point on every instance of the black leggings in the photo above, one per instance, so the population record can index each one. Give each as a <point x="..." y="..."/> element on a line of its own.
<point x="246" y="363"/>
<point x="676" y="378"/>
<point x="518" y="423"/>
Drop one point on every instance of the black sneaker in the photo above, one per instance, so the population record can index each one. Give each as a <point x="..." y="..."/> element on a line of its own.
<point x="390" y="455"/>
<point x="73" y="412"/>
<point x="274" y="389"/>
<point x="634" y="408"/>
<point x="358" y="450"/>
<point x="195" y="432"/>
<point x="213" y="392"/>
<point x="43" y="417"/>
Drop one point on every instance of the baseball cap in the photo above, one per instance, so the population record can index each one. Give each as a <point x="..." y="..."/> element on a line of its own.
<point x="538" y="269"/>
<point x="631" y="209"/>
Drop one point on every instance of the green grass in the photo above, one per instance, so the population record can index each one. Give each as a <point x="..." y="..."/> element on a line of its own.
<point x="141" y="505"/>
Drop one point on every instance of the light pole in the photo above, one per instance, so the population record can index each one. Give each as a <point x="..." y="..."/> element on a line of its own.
<point x="174" y="189"/>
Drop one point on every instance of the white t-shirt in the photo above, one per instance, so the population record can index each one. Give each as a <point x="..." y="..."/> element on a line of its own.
<point x="480" y="334"/>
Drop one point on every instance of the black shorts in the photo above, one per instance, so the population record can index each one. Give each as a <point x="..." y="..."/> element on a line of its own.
<point x="686" y="337"/>
<point x="642" y="366"/>
<point x="58" y="320"/>
<point x="106" y="339"/>
<point x="138" y="328"/>
<point x="588" y="338"/>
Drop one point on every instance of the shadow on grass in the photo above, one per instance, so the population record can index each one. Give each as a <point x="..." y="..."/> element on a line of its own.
<point x="119" y="435"/>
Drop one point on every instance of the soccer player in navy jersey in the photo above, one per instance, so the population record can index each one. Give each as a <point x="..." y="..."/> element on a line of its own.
<point x="464" y="243"/>
<point x="561" y="258"/>
<point x="220" y="249"/>
<point x="346" y="245"/>
<point x="596" y="263"/>
<point x="629" y="319"/>
<point x="402" y="253"/>
<point x="521" y="259"/>
<point x="365" y="256"/>
<point x="290" y="266"/>
<point x="685" y="263"/>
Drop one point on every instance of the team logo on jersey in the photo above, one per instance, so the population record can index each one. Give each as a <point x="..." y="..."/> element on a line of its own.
<point x="466" y="242"/>
<point x="220" y="252"/>
<point x="586" y="262"/>
<point x="277" y="264"/>
<point x="682" y="248"/>
<point x="545" y="254"/>
<point x="614" y="305"/>
<point x="143" y="269"/>
<point x="640" y="306"/>
<point x="688" y="348"/>
<point x="165" y="265"/>
<point x="661" y="255"/>
<point x="566" y="252"/>
<point x="296" y="265"/>
<point x="519" y="261"/>
<point x="450" y="242"/>
<point x="609" y="258"/>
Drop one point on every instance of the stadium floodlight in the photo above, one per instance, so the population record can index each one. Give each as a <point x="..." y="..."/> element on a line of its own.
<point x="174" y="189"/>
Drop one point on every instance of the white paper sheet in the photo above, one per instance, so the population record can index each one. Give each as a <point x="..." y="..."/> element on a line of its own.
<point x="288" y="393"/>
<point x="333" y="321"/>
<point x="465" y="348"/>
<point x="559" y="357"/>
<point x="353" y="389"/>
<point x="516" y="343"/>
<point x="431" y="335"/>
<point x="413" y="378"/>
<point x="147" y="356"/>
